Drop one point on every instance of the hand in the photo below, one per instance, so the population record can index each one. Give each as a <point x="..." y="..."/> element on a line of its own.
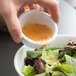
<point x="10" y="8"/>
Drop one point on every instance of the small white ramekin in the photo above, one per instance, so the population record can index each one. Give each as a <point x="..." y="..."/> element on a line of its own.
<point x="37" y="17"/>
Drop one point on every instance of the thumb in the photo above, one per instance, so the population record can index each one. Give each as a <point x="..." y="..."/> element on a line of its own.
<point x="14" y="26"/>
<point x="34" y="6"/>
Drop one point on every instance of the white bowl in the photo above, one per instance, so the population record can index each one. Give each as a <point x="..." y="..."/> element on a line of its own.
<point x="38" y="17"/>
<point x="60" y="41"/>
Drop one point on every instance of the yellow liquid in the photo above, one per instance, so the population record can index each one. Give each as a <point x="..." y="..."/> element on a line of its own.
<point x="27" y="8"/>
<point x="37" y="32"/>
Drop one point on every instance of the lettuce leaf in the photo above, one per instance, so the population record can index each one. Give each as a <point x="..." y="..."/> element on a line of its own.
<point x="71" y="61"/>
<point x="50" y="56"/>
<point x="54" y="48"/>
<point x="28" y="70"/>
<point x="34" y="54"/>
<point x="58" y="73"/>
<point x="43" y="74"/>
<point x="64" y="68"/>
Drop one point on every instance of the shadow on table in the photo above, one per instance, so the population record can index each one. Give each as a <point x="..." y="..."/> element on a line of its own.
<point x="8" y="49"/>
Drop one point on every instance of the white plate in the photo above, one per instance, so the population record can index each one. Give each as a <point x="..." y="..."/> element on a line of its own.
<point x="60" y="41"/>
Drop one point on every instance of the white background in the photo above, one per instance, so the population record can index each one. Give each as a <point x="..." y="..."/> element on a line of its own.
<point x="67" y="24"/>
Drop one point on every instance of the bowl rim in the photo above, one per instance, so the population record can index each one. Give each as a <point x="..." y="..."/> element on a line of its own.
<point x="19" y="72"/>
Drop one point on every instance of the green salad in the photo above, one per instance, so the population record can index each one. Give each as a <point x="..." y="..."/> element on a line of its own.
<point x="53" y="61"/>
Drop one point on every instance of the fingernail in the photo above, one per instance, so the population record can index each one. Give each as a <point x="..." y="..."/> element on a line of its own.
<point x="57" y="22"/>
<point x="17" y="37"/>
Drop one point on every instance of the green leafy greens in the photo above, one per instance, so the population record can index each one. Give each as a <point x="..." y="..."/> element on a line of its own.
<point x="71" y="61"/>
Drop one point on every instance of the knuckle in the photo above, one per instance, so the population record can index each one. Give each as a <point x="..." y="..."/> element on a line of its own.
<point x="15" y="34"/>
<point x="12" y="29"/>
<point x="6" y="12"/>
<point x="55" y="3"/>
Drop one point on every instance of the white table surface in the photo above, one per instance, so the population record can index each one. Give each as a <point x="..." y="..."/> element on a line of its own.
<point x="67" y="24"/>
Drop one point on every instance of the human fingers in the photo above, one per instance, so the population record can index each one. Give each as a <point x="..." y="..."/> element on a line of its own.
<point x="35" y="6"/>
<point x="53" y="7"/>
<point x="14" y="26"/>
